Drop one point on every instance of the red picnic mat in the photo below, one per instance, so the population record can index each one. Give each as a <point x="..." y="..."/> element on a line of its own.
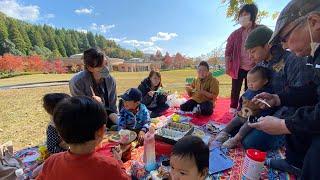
<point x="220" y="114"/>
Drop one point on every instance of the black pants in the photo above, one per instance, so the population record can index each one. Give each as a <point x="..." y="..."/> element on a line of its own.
<point x="236" y="87"/>
<point x="206" y="108"/>
<point x="311" y="168"/>
<point x="158" y="111"/>
<point x="235" y="123"/>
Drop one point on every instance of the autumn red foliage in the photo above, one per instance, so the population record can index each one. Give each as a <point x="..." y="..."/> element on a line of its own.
<point x="17" y="64"/>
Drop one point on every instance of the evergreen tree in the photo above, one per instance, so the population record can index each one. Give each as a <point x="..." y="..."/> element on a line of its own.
<point x="16" y="37"/>
<point x="3" y="34"/>
<point x="60" y="45"/>
<point x="83" y="42"/>
<point x="35" y="37"/>
<point x="91" y="39"/>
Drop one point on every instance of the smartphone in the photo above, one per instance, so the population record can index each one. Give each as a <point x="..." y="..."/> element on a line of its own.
<point x="253" y="119"/>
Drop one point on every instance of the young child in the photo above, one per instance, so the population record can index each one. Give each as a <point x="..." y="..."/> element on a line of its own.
<point x="134" y="115"/>
<point x="203" y="91"/>
<point x="151" y="97"/>
<point x="54" y="142"/>
<point x="81" y="123"/>
<point x="189" y="159"/>
<point x="258" y="82"/>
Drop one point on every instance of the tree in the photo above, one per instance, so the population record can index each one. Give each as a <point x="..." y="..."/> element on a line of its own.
<point x="168" y="61"/>
<point x="91" y="39"/>
<point x="24" y="34"/>
<point x="137" y="53"/>
<point x="235" y="5"/>
<point x="83" y="42"/>
<point x="35" y="37"/>
<point x="60" y="45"/>
<point x="101" y="41"/>
<point x="16" y="37"/>
<point x="179" y="61"/>
<point x="3" y="34"/>
<point x="70" y="50"/>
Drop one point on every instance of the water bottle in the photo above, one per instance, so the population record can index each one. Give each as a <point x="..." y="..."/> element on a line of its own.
<point x="253" y="164"/>
<point x="20" y="174"/>
<point x="149" y="155"/>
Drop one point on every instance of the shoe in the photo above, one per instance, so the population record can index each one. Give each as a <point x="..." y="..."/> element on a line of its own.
<point x="222" y="137"/>
<point x="283" y="165"/>
<point x="231" y="143"/>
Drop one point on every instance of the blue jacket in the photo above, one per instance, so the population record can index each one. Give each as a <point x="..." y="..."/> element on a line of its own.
<point x="139" y="121"/>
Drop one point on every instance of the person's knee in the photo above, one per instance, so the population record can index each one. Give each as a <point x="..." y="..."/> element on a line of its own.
<point x="206" y="108"/>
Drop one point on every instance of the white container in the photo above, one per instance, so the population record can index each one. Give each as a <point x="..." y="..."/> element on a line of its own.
<point x="253" y="164"/>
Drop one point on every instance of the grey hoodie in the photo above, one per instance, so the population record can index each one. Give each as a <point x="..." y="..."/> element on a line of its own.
<point x="81" y="82"/>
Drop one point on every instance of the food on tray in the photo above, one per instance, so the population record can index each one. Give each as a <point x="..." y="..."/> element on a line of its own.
<point x="199" y="133"/>
<point x="176" y="118"/>
<point x="172" y="132"/>
<point x="115" y="137"/>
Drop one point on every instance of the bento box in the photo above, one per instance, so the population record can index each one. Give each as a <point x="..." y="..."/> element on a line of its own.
<point x="172" y="132"/>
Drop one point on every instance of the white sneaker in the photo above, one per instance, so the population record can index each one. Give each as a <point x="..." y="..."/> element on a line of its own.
<point x="232" y="110"/>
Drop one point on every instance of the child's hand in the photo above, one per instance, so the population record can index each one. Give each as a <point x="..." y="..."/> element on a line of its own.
<point x="151" y="93"/>
<point x="117" y="153"/>
<point x="141" y="137"/>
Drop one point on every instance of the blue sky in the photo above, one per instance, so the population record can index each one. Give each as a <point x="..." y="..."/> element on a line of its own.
<point x="192" y="27"/>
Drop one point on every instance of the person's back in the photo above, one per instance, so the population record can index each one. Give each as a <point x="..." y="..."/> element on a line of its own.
<point x="80" y="122"/>
<point x="90" y="166"/>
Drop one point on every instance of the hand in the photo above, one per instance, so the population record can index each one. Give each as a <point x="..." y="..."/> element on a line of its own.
<point x="113" y="117"/>
<point x="189" y="88"/>
<point x="151" y="93"/>
<point x="271" y="125"/>
<point x="117" y="153"/>
<point x="97" y="98"/>
<point x="141" y="137"/>
<point x="203" y="92"/>
<point x="271" y="99"/>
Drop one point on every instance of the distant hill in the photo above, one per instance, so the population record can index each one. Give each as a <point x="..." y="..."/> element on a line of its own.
<point x="21" y="38"/>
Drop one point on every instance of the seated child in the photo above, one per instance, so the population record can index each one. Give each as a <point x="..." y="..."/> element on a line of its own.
<point x="152" y="97"/>
<point x="203" y="92"/>
<point x="258" y="82"/>
<point x="189" y="159"/>
<point x="54" y="142"/>
<point x="81" y="123"/>
<point x="134" y="115"/>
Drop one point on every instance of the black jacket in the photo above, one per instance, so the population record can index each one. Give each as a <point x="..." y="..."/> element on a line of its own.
<point x="158" y="99"/>
<point x="306" y="120"/>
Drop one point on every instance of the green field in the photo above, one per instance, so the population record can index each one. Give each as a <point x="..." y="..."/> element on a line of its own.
<point x="24" y="121"/>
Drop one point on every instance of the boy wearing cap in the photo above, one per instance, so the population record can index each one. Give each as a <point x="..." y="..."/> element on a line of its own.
<point x="134" y="115"/>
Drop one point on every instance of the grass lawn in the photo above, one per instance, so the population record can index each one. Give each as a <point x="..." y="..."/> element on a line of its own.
<point x="24" y="121"/>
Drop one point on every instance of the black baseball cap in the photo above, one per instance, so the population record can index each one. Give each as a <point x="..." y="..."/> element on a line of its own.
<point x="132" y="94"/>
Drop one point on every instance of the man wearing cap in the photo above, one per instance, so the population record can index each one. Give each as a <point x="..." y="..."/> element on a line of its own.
<point x="298" y="26"/>
<point x="288" y="72"/>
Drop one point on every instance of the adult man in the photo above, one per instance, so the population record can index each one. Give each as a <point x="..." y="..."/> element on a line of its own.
<point x="298" y="26"/>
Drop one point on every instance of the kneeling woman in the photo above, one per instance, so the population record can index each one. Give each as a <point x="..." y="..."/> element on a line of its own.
<point x="154" y="99"/>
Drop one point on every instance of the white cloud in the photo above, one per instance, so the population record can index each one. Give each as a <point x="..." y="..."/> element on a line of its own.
<point x="136" y="43"/>
<point x="19" y="11"/>
<point x="163" y="36"/>
<point x="117" y="39"/>
<point x="152" y="49"/>
<point x="82" y="30"/>
<point x="102" y="27"/>
<point x="83" y="11"/>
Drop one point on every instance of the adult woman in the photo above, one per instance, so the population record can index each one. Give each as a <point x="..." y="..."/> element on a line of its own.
<point x="238" y="62"/>
<point x="96" y="82"/>
<point x="152" y="97"/>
